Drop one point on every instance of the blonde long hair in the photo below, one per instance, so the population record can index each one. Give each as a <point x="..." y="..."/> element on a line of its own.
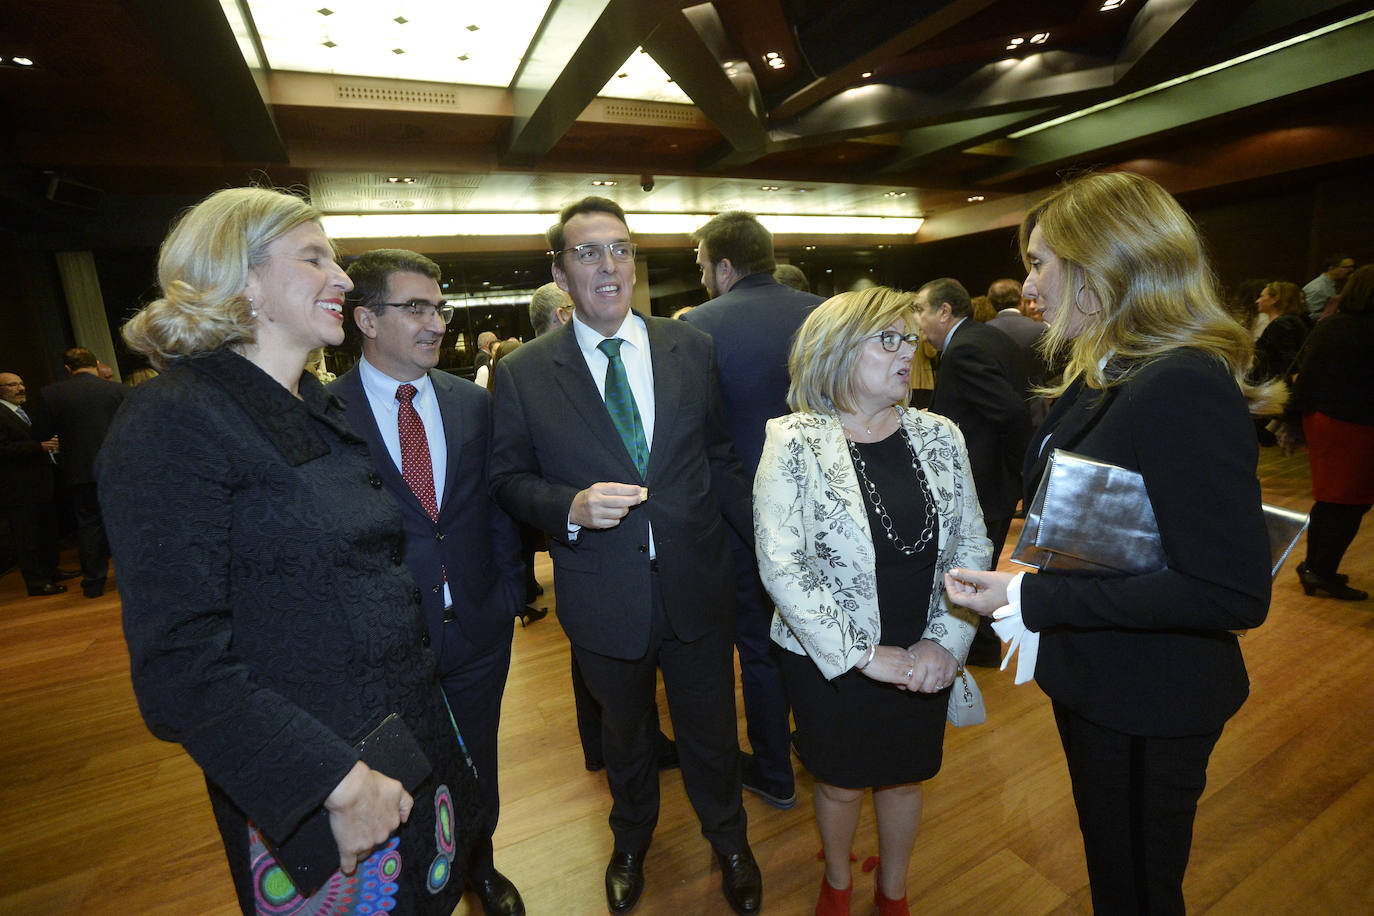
<point x="1125" y="241"/>
<point x="203" y="268"/>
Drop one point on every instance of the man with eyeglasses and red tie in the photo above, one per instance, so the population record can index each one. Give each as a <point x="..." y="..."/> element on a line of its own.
<point x="428" y="432"/>
<point x="608" y="435"/>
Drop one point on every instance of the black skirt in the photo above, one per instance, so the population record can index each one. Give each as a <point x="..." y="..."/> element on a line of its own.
<point x="852" y="731"/>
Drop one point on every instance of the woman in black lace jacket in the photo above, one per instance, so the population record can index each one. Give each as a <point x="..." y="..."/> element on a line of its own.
<point x="270" y="621"/>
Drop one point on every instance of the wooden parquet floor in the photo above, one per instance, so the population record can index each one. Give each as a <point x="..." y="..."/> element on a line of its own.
<point x="97" y="816"/>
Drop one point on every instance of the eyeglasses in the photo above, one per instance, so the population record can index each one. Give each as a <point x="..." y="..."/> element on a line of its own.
<point x="590" y="252"/>
<point x="424" y="310"/>
<point x="892" y="341"/>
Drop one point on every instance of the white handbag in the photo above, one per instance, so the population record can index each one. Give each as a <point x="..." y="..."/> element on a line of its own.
<point x="965" y="701"/>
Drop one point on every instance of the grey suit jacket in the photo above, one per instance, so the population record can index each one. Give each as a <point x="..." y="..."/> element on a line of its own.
<point x="553" y="437"/>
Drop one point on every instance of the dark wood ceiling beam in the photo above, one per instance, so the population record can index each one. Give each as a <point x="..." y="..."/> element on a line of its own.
<point x="1315" y="63"/>
<point x="1166" y="32"/>
<point x="837" y="81"/>
<point x="216" y="75"/>
<point x="926" y="144"/>
<point x="692" y="48"/>
<point x="578" y="47"/>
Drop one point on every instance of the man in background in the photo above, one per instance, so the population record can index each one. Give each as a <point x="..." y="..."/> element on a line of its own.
<point x="26" y="493"/>
<point x="1323" y="287"/>
<point x="550" y="309"/>
<point x="752" y="318"/>
<point x="78" y="411"/>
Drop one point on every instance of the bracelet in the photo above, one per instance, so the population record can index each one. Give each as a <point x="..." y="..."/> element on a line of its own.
<point x="872" y="650"/>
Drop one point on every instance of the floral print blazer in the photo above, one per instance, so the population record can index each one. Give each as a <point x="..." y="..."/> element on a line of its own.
<point x="815" y="549"/>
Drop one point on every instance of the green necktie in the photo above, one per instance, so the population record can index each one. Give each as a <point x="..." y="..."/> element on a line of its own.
<point x="620" y="402"/>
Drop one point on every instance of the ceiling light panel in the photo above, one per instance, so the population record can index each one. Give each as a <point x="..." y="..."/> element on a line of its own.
<point x="642" y="79"/>
<point x="402" y="39"/>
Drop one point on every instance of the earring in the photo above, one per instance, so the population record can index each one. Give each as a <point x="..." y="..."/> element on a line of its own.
<point x="1078" y="305"/>
<point x="252" y="312"/>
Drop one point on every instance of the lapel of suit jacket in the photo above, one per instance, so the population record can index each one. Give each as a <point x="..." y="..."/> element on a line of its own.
<point x="668" y="389"/>
<point x="572" y="375"/>
<point x="825" y="437"/>
<point x="456" y="418"/>
<point x="365" y="424"/>
<point x="1079" y="408"/>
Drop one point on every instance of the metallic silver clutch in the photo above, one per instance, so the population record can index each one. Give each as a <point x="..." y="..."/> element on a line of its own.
<point x="1092" y="516"/>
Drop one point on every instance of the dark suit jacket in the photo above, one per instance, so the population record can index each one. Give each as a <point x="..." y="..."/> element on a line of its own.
<point x="1336" y="373"/>
<point x="474" y="541"/>
<point x="1151" y="654"/>
<point x="26" y="473"/>
<point x="753" y="326"/>
<point x="553" y="437"/>
<point x="981" y="386"/>
<point x="78" y="410"/>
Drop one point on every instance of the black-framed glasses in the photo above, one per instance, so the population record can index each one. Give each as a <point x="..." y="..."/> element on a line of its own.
<point x="590" y="252"/>
<point x="892" y="341"/>
<point x="424" y="310"/>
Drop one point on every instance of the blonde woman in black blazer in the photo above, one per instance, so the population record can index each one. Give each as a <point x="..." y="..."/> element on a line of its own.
<point x="1143" y="670"/>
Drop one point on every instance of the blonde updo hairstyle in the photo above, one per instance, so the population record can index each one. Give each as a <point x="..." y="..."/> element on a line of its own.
<point x="203" y="268"/>
<point x="825" y="353"/>
<point x="1124" y="243"/>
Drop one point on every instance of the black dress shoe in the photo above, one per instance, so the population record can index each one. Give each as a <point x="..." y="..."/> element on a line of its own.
<point x="498" y="895"/>
<point x="50" y="589"/>
<point x="784" y="798"/>
<point x="741" y="882"/>
<point x="65" y="574"/>
<point x="92" y="591"/>
<point x="624" y="881"/>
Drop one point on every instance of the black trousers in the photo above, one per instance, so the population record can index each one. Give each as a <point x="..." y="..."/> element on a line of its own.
<point x="1136" y="798"/>
<point x="32" y="537"/>
<point x="91" y="543"/>
<point x="1333" y="527"/>
<point x="699" y="679"/>
<point x="765" y="700"/>
<point x="474" y="691"/>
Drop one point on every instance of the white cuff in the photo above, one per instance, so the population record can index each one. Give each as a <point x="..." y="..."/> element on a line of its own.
<point x="1011" y="629"/>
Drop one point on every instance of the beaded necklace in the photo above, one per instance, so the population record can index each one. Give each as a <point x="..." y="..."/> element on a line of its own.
<point x="871" y="489"/>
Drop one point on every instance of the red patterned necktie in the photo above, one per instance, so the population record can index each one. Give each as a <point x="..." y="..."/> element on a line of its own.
<point x="416" y="466"/>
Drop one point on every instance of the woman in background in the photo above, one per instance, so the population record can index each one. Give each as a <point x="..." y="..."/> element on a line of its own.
<point x="860" y="506"/>
<point x="1334" y="393"/>
<point x="269" y="620"/>
<point x="1143" y="670"/>
<point x="1276" y="350"/>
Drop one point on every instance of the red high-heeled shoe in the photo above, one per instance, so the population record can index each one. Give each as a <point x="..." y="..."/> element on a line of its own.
<point x="833" y="902"/>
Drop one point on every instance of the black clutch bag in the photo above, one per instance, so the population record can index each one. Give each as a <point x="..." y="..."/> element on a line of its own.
<point x="1092" y="516"/>
<point x="310" y="855"/>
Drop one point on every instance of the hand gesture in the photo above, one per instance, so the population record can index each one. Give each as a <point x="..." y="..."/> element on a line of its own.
<point x="978" y="590"/>
<point x="603" y="505"/>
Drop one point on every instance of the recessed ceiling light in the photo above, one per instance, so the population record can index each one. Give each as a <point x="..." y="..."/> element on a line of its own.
<point x="895" y="194"/>
<point x="474" y="28"/>
<point x="769" y="187"/>
<point x="866" y="74"/>
<point x="975" y="198"/>
<point x="804" y="190"/>
<point x="771" y="54"/>
<point x="22" y="61"/>
<point x="400" y="179"/>
<point x="1039" y="38"/>
<point x="1109" y="5"/>
<point x="1016" y="41"/>
<point x="604" y="182"/>
<point x="777" y="63"/>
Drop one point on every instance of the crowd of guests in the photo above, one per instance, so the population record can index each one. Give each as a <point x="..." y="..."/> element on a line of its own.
<point x="324" y="564"/>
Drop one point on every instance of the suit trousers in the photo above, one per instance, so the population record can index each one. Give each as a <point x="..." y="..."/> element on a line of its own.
<point x="32" y="537"/>
<point x="699" y="680"/>
<point x="91" y="543"/>
<point x="1136" y="797"/>
<point x="765" y="701"/>
<point x="474" y="690"/>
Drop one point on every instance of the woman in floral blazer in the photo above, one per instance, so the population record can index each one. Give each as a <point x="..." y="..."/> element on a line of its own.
<point x="860" y="506"/>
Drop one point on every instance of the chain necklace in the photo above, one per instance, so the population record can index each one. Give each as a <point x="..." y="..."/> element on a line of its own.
<point x="871" y="489"/>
